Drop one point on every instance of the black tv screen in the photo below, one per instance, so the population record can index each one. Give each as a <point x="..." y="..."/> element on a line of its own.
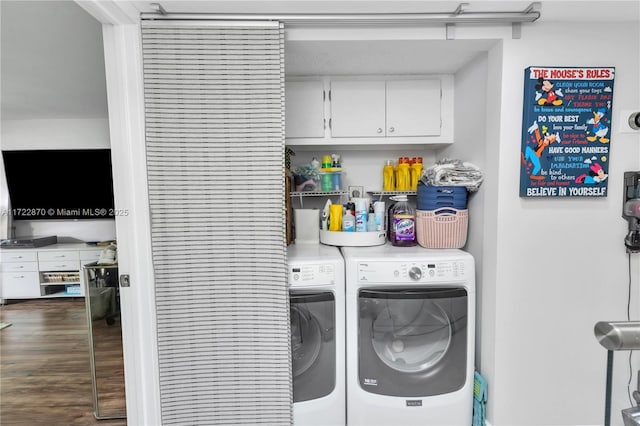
<point x="59" y="184"/>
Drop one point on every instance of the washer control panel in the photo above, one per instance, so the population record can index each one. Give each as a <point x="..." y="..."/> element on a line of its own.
<point x="411" y="272"/>
<point x="312" y="274"/>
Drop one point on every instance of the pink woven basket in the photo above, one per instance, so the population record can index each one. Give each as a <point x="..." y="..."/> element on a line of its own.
<point x="442" y="228"/>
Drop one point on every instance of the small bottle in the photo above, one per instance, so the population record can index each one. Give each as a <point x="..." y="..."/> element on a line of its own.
<point x="315" y="163"/>
<point x="378" y="209"/>
<point x="352" y="208"/>
<point x="403" y="230"/>
<point x="388" y="176"/>
<point x="348" y="222"/>
<point x="361" y="215"/>
<point x="371" y="220"/>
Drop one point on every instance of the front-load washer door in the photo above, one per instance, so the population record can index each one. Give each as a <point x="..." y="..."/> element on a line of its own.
<point x="412" y="342"/>
<point x="313" y="344"/>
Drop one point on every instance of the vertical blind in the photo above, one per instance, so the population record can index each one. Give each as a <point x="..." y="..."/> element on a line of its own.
<point x="214" y="105"/>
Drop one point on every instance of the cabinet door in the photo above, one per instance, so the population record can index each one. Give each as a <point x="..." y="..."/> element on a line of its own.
<point x="304" y="109"/>
<point x="19" y="285"/>
<point x="413" y="108"/>
<point x="357" y="108"/>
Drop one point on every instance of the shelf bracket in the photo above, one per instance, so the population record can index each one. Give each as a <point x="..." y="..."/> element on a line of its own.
<point x="516" y="30"/>
<point x="516" y="27"/>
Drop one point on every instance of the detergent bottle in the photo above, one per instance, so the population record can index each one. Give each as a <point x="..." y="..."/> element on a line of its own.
<point x="403" y="223"/>
<point x="416" y="173"/>
<point x="403" y="174"/>
<point x="388" y="176"/>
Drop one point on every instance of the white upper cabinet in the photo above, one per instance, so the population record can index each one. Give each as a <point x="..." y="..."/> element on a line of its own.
<point x="385" y="108"/>
<point x="357" y="108"/>
<point x="400" y="110"/>
<point x="413" y="107"/>
<point x="304" y="109"/>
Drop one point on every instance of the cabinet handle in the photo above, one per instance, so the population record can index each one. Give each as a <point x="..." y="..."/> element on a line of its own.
<point x="392" y="129"/>
<point x="379" y="130"/>
<point x="18" y="276"/>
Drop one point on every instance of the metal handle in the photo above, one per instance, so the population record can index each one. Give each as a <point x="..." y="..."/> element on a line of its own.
<point x="379" y="130"/>
<point x="311" y="297"/>
<point x="392" y="129"/>
<point x="431" y="293"/>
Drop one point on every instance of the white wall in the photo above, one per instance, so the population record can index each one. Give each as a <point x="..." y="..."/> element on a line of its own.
<point x="47" y="133"/>
<point x="55" y="133"/>
<point x="470" y="145"/>
<point x="561" y="263"/>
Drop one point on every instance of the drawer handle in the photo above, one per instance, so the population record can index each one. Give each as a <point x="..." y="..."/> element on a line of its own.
<point x="60" y="255"/>
<point x="18" y="276"/>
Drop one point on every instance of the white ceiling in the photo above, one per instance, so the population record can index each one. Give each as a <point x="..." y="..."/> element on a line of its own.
<point x="53" y="67"/>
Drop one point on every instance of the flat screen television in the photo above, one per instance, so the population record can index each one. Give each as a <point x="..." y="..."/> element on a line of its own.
<point x="59" y="184"/>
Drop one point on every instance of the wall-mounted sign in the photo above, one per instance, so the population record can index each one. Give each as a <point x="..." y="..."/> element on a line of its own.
<point x="566" y="131"/>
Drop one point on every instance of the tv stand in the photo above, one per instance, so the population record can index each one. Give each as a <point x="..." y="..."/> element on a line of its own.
<point x="44" y="272"/>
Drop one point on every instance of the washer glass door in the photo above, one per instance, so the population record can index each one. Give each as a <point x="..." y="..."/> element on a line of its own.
<point x="313" y="344"/>
<point x="412" y="341"/>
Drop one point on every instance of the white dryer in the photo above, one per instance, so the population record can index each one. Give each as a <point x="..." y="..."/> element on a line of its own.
<point x="317" y="317"/>
<point x="410" y="336"/>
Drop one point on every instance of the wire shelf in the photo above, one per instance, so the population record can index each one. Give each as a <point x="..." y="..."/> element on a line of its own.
<point x="382" y="193"/>
<point x="317" y="193"/>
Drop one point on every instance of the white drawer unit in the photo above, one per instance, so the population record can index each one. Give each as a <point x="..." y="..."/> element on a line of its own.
<point x="20" y="285"/>
<point x="18" y="256"/>
<point x="51" y="271"/>
<point x="19" y="267"/>
<point x="59" y="265"/>
<point x="51" y="256"/>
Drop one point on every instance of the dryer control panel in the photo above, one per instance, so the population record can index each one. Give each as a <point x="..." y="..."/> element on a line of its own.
<point x="411" y="272"/>
<point x="312" y="274"/>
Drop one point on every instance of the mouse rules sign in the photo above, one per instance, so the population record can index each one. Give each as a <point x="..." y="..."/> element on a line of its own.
<point x="566" y="131"/>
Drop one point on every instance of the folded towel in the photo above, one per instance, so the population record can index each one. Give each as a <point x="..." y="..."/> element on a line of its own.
<point x="479" y="399"/>
<point x="478" y="413"/>
<point x="448" y="172"/>
<point x="479" y="387"/>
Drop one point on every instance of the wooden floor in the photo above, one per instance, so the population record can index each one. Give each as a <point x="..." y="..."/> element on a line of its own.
<point x="45" y="368"/>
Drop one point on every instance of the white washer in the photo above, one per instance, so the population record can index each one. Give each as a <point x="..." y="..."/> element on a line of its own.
<point x="317" y="316"/>
<point x="410" y="336"/>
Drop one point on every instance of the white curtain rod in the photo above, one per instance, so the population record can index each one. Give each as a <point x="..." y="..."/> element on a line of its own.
<point x="459" y="16"/>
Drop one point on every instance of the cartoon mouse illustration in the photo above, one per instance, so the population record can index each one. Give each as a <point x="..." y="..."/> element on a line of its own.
<point x="595" y="176"/>
<point x="548" y="95"/>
